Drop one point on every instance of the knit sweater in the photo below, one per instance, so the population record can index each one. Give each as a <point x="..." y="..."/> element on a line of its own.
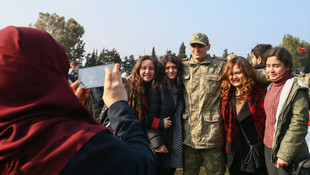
<point x="270" y="105"/>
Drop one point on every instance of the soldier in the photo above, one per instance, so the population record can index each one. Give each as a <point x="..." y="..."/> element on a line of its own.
<point x="203" y="125"/>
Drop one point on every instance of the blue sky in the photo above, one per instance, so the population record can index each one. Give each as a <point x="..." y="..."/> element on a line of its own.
<point x="136" y="26"/>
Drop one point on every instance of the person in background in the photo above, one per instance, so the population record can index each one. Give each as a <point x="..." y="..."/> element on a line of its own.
<point x="242" y="106"/>
<point x="124" y="76"/>
<point x="258" y="62"/>
<point x="286" y="106"/>
<point x="94" y="102"/>
<point x="203" y="124"/>
<point x="143" y="76"/>
<point x="73" y="72"/>
<point x="166" y="105"/>
<point x="49" y="130"/>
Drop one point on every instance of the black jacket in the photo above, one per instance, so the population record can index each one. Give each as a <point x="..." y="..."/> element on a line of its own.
<point x="160" y="106"/>
<point x="106" y="154"/>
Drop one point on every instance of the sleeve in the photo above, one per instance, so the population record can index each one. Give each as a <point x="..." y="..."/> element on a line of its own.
<point x="71" y="75"/>
<point x="106" y="154"/>
<point x="294" y="138"/>
<point x="136" y="146"/>
<point x="154" y="122"/>
<point x="154" y="102"/>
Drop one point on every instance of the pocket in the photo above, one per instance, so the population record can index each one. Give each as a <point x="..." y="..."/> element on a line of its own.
<point x="212" y="83"/>
<point x="212" y="116"/>
<point x="213" y="77"/>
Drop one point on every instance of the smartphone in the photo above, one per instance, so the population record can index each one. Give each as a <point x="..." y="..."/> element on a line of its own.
<point x="91" y="77"/>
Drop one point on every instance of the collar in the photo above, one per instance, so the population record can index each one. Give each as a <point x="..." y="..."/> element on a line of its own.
<point x="205" y="61"/>
<point x="260" y="66"/>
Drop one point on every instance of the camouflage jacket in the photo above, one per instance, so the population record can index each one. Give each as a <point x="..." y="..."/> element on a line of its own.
<point x="203" y="125"/>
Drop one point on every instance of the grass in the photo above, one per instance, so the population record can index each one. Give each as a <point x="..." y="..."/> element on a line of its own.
<point x="179" y="171"/>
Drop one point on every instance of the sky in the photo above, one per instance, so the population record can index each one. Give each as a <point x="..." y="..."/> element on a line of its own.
<point x="134" y="27"/>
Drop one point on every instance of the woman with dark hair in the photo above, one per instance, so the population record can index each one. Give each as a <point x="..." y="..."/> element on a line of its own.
<point x="166" y="106"/>
<point x="287" y="115"/>
<point x="243" y="115"/>
<point x="143" y="76"/>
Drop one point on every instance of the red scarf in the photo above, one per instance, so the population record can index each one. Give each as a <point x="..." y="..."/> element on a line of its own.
<point x="256" y="104"/>
<point x="42" y="123"/>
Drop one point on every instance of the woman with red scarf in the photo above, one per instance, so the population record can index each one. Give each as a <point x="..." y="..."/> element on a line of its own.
<point x="243" y="115"/>
<point x="44" y="127"/>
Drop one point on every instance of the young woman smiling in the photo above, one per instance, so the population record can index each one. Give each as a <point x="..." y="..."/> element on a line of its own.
<point x="242" y="111"/>
<point x="287" y="115"/>
<point x="166" y="106"/>
<point x="143" y="76"/>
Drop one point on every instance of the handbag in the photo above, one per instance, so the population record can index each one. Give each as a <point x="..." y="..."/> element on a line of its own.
<point x="253" y="157"/>
<point x="301" y="167"/>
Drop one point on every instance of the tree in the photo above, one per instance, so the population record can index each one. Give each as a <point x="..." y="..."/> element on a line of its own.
<point x="248" y="56"/>
<point x="225" y="53"/>
<point x="182" y="52"/>
<point x="112" y="57"/>
<point x="170" y="52"/>
<point x="128" y="64"/>
<point x="91" y="59"/>
<point x="301" y="61"/>
<point x="68" y="33"/>
<point x="153" y="53"/>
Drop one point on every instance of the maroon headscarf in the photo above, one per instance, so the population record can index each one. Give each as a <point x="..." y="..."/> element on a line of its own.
<point x="42" y="123"/>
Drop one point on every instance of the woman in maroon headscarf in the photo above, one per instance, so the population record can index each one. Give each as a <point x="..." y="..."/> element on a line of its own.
<point x="45" y="129"/>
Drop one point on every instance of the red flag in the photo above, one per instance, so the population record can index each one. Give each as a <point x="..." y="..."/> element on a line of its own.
<point x="302" y="49"/>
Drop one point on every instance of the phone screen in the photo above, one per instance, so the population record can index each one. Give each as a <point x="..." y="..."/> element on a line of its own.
<point x="91" y="77"/>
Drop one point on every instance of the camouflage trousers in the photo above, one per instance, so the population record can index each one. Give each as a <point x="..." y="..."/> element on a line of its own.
<point x="213" y="161"/>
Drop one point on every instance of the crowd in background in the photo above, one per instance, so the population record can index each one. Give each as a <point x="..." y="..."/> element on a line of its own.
<point x="229" y="116"/>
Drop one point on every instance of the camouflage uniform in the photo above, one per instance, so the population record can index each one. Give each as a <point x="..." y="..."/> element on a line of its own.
<point x="307" y="80"/>
<point x="203" y="125"/>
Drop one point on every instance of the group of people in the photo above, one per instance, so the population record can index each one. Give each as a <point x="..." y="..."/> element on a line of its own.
<point x="167" y="114"/>
<point x="270" y="120"/>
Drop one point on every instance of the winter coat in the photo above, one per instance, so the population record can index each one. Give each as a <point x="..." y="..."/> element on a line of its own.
<point x="161" y="105"/>
<point x="202" y="100"/>
<point x="291" y="122"/>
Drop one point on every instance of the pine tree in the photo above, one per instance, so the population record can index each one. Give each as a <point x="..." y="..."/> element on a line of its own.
<point x="153" y="53"/>
<point x="182" y="52"/>
<point x="225" y="53"/>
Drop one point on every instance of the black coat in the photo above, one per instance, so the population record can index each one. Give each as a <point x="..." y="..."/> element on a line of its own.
<point x="106" y="154"/>
<point x="160" y="106"/>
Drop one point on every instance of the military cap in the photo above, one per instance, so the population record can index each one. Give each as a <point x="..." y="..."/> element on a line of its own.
<point x="199" y="38"/>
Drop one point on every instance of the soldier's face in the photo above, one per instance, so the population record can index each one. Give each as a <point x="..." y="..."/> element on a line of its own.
<point x="171" y="70"/>
<point x="199" y="51"/>
<point x="236" y="77"/>
<point x="147" y="70"/>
